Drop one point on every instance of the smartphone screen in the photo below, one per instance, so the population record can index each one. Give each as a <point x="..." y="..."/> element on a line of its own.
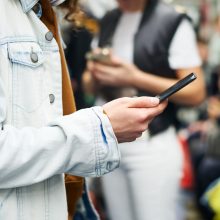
<point x="176" y="87"/>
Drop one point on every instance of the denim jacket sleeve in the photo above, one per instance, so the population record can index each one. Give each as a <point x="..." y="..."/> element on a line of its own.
<point x="82" y="144"/>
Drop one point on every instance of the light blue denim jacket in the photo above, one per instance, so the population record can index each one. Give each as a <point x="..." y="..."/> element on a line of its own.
<point x="37" y="143"/>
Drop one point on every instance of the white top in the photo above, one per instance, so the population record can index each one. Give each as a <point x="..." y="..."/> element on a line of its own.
<point x="123" y="39"/>
<point x="183" y="52"/>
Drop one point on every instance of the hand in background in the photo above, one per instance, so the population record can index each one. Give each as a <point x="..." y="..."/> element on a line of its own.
<point x="115" y="73"/>
<point x="131" y="116"/>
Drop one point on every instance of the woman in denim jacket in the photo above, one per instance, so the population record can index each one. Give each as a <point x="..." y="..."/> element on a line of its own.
<point x="37" y="143"/>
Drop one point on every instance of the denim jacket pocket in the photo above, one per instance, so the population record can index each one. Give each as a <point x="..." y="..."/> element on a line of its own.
<point x="28" y="90"/>
<point x="26" y="53"/>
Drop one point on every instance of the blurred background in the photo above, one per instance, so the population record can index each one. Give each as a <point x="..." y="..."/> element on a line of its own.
<point x="199" y="130"/>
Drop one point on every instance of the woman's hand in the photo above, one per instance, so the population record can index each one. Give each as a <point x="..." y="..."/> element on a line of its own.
<point x="131" y="116"/>
<point x="116" y="73"/>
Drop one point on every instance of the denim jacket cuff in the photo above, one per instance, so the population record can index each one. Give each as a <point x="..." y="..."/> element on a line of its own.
<point x="107" y="155"/>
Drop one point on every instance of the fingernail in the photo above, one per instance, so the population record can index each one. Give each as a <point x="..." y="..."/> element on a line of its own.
<point x="154" y="100"/>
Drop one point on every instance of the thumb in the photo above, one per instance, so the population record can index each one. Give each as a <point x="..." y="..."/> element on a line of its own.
<point x="143" y="102"/>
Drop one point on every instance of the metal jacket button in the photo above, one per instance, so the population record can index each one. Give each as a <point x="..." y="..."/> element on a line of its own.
<point x="34" y="57"/>
<point x="49" y="36"/>
<point x="52" y="98"/>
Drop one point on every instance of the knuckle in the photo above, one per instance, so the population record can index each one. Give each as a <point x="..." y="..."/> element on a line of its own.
<point x="142" y="117"/>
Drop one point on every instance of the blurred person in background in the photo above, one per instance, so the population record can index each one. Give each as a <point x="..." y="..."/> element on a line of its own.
<point x="214" y="45"/>
<point x="205" y="144"/>
<point x="38" y="144"/>
<point x="152" y="47"/>
<point x="203" y="47"/>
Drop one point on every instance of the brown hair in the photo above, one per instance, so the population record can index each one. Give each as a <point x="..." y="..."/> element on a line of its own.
<point x="72" y="9"/>
<point x="78" y="17"/>
<point x="74" y="14"/>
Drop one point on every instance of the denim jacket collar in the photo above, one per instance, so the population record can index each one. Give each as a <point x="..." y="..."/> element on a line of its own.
<point x="28" y="4"/>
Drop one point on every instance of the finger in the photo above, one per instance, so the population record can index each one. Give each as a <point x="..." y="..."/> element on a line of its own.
<point x="103" y="78"/>
<point x="143" y="102"/>
<point x="126" y="139"/>
<point x="153" y="112"/>
<point x="104" y="68"/>
<point x="90" y="65"/>
<point x="96" y="50"/>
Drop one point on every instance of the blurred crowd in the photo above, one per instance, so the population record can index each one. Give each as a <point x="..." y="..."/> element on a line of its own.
<point x="182" y="179"/>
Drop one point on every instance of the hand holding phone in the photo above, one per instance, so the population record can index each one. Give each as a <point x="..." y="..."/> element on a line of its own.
<point x="102" y="56"/>
<point x="176" y="87"/>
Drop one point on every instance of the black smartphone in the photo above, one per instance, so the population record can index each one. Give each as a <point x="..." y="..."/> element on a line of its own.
<point x="176" y="87"/>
